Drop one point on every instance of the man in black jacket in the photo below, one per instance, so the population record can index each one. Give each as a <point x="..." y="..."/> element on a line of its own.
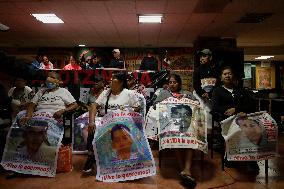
<point x="205" y="76"/>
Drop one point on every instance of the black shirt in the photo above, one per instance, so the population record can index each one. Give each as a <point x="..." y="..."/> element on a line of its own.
<point x="149" y="63"/>
<point x="203" y="72"/>
<point x="117" y="63"/>
<point x="239" y="99"/>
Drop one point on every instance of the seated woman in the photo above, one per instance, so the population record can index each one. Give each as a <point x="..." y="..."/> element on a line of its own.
<point x="228" y="100"/>
<point x="184" y="156"/>
<point x="72" y="64"/>
<point x="53" y="99"/>
<point x="20" y="96"/>
<point x="117" y="97"/>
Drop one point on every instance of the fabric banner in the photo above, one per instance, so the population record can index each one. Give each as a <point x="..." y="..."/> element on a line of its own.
<point x="33" y="148"/>
<point x="250" y="138"/>
<point x="182" y="124"/>
<point x="121" y="149"/>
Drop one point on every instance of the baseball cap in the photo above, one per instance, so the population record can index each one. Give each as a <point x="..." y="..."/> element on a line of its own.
<point x="206" y="52"/>
<point x="116" y="50"/>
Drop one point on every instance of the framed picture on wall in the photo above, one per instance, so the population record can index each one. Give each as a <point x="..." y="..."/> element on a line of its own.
<point x="265" y="77"/>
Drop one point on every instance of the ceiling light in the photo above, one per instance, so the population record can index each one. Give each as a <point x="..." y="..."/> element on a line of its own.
<point x="150" y="18"/>
<point x="48" y="18"/>
<point x="3" y="27"/>
<point x="263" y="57"/>
<point x="81" y="45"/>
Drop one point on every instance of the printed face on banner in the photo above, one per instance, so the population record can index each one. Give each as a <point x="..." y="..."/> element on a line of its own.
<point x="251" y="129"/>
<point x="121" y="141"/>
<point x="181" y="116"/>
<point x="121" y="144"/>
<point x="175" y="117"/>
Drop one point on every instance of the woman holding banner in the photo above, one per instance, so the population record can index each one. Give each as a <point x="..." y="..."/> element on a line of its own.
<point x="116" y="97"/>
<point x="184" y="156"/>
<point x="228" y="100"/>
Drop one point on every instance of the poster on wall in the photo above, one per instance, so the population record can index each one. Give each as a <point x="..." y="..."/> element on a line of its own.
<point x="265" y="77"/>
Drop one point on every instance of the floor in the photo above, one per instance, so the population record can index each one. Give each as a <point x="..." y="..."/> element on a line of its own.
<point x="208" y="175"/>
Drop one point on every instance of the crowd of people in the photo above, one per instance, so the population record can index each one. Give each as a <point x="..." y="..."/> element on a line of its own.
<point x="223" y="98"/>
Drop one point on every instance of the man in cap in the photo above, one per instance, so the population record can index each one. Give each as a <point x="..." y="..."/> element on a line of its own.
<point x="205" y="76"/>
<point x="118" y="61"/>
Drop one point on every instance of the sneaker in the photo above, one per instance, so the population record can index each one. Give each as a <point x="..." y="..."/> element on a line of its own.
<point x="89" y="165"/>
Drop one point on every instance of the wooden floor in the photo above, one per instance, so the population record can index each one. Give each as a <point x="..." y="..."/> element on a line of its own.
<point x="209" y="175"/>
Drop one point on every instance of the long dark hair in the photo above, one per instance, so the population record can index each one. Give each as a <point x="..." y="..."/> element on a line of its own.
<point x="178" y="80"/>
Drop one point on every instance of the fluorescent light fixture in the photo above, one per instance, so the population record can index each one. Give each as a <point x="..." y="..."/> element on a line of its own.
<point x="81" y="45"/>
<point x="3" y="27"/>
<point x="48" y="18"/>
<point x="154" y="18"/>
<point x="263" y="57"/>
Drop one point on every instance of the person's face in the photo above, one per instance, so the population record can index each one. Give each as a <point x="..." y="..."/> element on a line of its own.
<point x="34" y="140"/>
<point x="72" y="60"/>
<point x="173" y="85"/>
<point x="45" y="59"/>
<point x="130" y="82"/>
<point x="251" y="129"/>
<point x="20" y="83"/>
<point x="116" y="85"/>
<point x="95" y="60"/>
<point x="121" y="142"/>
<point x="204" y="59"/>
<point x="52" y="78"/>
<point x="182" y="117"/>
<point x="227" y="76"/>
<point x="116" y="54"/>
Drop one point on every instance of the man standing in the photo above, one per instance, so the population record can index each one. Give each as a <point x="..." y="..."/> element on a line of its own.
<point x="118" y="61"/>
<point x="205" y="76"/>
<point x="149" y="62"/>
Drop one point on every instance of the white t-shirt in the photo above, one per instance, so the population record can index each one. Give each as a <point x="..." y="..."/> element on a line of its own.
<point x="126" y="98"/>
<point x="52" y="101"/>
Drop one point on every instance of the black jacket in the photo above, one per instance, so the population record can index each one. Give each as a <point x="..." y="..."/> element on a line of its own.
<point x="202" y="72"/>
<point x="241" y="100"/>
<point x="149" y="63"/>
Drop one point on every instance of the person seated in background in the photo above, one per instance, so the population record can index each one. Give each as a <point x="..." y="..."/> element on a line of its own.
<point x="20" y="96"/>
<point x="72" y="64"/>
<point x="36" y="63"/>
<point x="95" y="62"/>
<point x="46" y="64"/>
<point x="149" y="62"/>
<point x="228" y="100"/>
<point x="118" y="61"/>
<point x="53" y="99"/>
<point x="116" y="97"/>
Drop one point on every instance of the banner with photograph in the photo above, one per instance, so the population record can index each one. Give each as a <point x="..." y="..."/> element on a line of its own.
<point x="250" y="138"/>
<point x="121" y="149"/>
<point x="33" y="148"/>
<point x="182" y="124"/>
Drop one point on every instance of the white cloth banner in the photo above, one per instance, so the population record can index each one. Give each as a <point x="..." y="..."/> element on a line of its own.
<point x="33" y="148"/>
<point x="121" y="149"/>
<point x="250" y="138"/>
<point x="182" y="124"/>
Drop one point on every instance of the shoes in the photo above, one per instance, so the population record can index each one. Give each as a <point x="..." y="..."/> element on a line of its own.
<point x="187" y="180"/>
<point x="89" y="165"/>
